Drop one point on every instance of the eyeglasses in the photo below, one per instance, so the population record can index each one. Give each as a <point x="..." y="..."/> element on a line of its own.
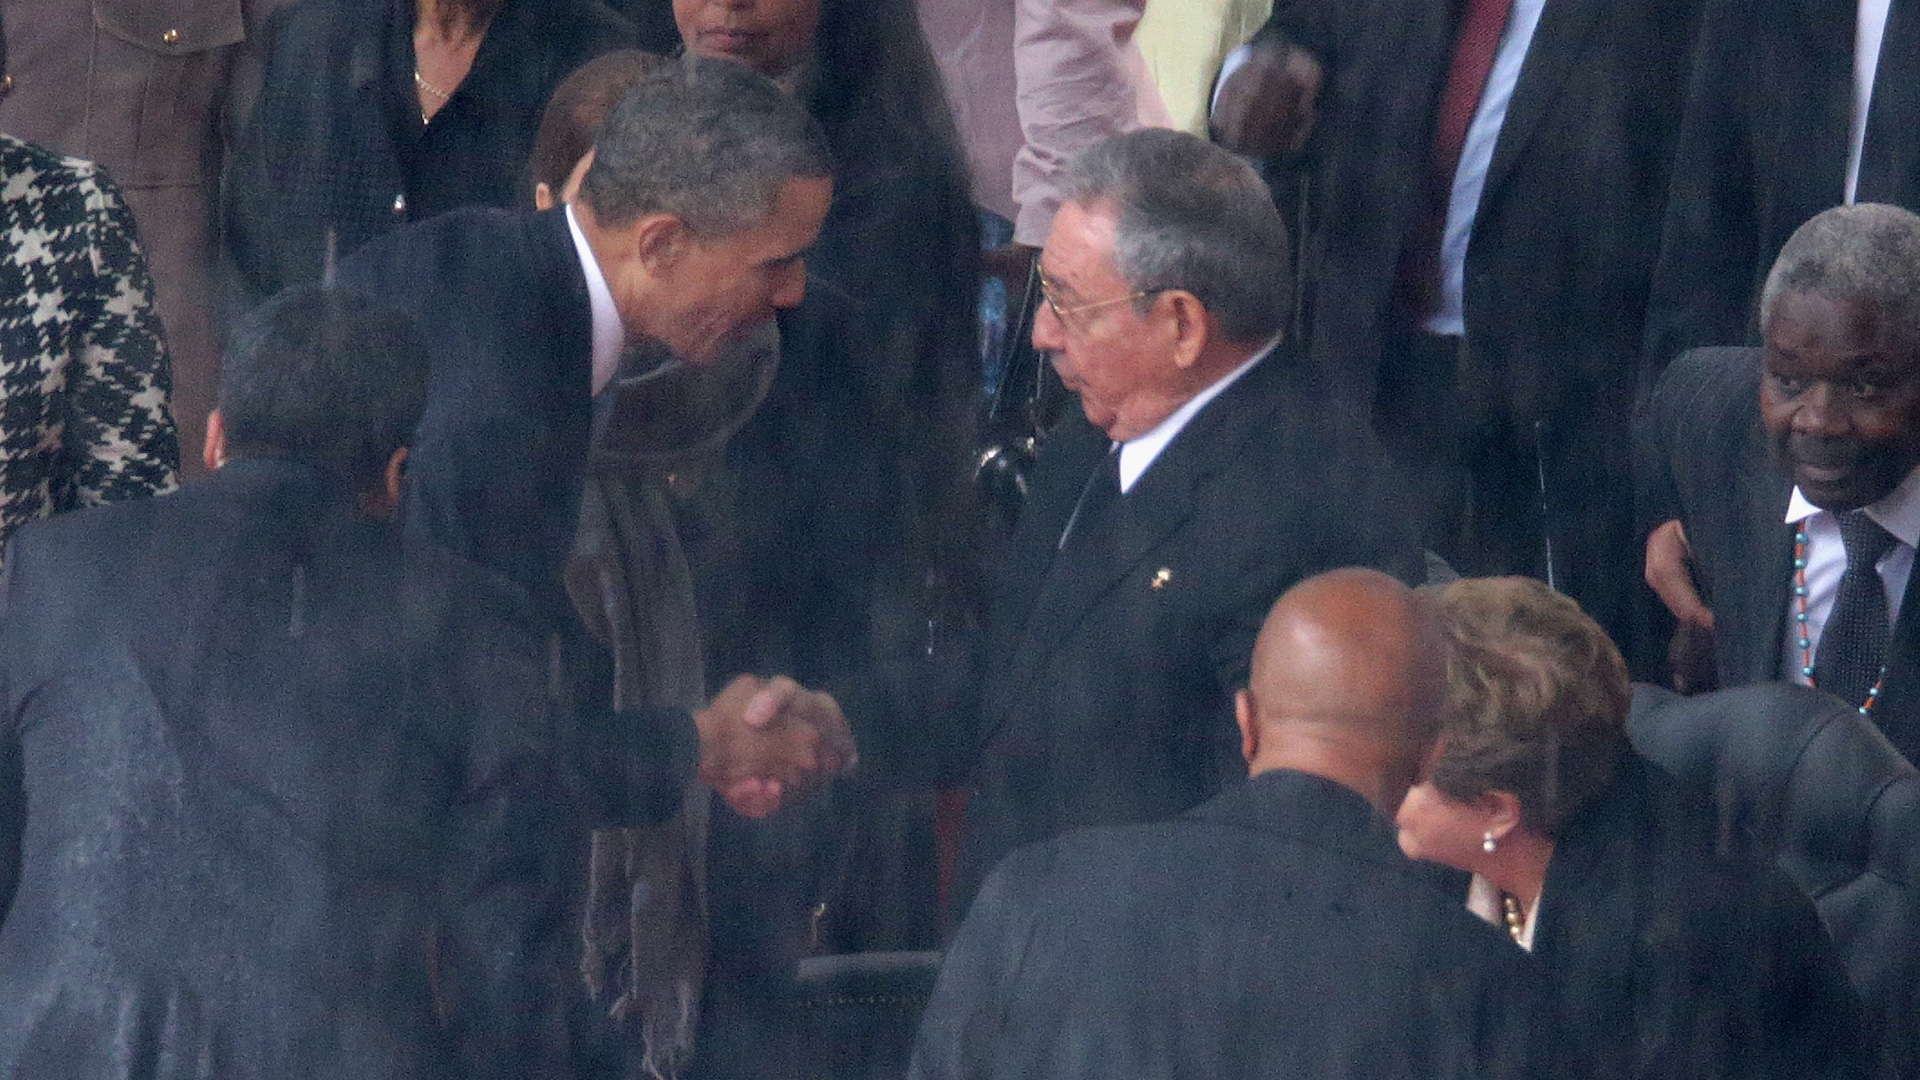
<point x="1047" y="287"/>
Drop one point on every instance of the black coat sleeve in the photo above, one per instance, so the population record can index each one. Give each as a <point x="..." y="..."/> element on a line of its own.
<point x="1313" y="25"/>
<point x="503" y="925"/>
<point x="527" y="780"/>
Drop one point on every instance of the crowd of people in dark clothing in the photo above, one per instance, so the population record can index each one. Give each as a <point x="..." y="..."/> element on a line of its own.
<point x="823" y="538"/>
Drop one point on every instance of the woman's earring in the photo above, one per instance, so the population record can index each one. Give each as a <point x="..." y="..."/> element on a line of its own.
<point x="1489" y="844"/>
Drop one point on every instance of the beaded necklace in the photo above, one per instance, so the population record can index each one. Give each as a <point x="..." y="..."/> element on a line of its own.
<point x="1516" y="919"/>
<point x="1801" y="639"/>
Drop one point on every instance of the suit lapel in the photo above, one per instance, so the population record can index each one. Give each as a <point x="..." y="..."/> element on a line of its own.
<point x="1764" y="593"/>
<point x="1077" y="578"/>
<point x="1068" y="459"/>
<point x="568" y="312"/>
<point x="1899" y="717"/>
<point x="1558" y="45"/>
<point x="1832" y="25"/>
<point x="1091" y="565"/>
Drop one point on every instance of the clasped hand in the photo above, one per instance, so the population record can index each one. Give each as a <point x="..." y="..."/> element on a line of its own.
<point x="765" y="740"/>
<point x="1267" y="108"/>
<point x="1669" y="573"/>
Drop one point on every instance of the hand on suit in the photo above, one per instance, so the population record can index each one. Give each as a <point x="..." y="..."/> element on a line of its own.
<point x="762" y="741"/>
<point x="1266" y="108"/>
<point x="1669" y="571"/>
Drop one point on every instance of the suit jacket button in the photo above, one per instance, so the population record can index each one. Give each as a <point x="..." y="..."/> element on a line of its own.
<point x="400" y="204"/>
<point x="171" y="37"/>
<point x="6" y="83"/>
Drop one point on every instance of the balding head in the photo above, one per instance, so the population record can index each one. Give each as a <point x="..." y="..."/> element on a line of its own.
<point x="1344" y="681"/>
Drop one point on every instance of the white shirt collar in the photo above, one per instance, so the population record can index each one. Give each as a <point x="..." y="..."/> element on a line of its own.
<point x="1898" y="512"/>
<point x="1139" y="452"/>
<point x="608" y="334"/>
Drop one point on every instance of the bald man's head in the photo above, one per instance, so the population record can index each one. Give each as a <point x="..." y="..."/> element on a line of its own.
<point x="1344" y="678"/>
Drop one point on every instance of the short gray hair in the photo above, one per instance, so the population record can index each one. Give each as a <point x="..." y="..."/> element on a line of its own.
<point x="1868" y="253"/>
<point x="708" y="141"/>
<point x="1189" y="215"/>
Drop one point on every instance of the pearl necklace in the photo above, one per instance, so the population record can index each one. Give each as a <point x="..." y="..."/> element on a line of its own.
<point x="1515" y="919"/>
<point x="1801" y="639"/>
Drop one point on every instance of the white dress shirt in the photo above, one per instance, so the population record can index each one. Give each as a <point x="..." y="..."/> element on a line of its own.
<point x="1869" y="30"/>
<point x="1476" y="156"/>
<point x="1138" y="452"/>
<point x="1898" y="513"/>
<point x="609" y="336"/>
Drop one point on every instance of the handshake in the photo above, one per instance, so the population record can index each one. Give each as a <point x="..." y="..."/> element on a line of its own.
<point x="763" y="740"/>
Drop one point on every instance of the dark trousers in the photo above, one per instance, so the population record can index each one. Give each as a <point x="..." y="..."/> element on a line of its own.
<point x="1547" y="495"/>
<point x="1472" y="468"/>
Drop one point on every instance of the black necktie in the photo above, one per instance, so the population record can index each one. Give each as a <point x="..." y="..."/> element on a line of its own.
<point x="1890" y="153"/>
<point x="1853" y="646"/>
<point x="1100" y="493"/>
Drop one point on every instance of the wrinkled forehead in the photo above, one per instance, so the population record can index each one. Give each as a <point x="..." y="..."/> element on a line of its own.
<point x="1079" y="249"/>
<point x="1845" y="322"/>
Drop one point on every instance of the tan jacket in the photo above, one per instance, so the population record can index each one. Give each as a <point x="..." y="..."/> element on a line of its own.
<point x="147" y="89"/>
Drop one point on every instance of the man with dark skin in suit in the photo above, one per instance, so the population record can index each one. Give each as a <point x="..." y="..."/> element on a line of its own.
<point x="1840" y="402"/>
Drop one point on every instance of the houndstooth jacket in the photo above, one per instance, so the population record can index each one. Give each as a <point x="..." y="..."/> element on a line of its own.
<point x="84" y="381"/>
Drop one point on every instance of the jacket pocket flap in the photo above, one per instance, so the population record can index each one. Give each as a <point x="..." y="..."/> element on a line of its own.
<point x="172" y="27"/>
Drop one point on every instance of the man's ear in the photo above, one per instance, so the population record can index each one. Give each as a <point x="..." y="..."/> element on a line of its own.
<point x="542" y="196"/>
<point x="383" y="503"/>
<point x="395" y="474"/>
<point x="658" y="242"/>
<point x="571" y="189"/>
<point x="1191" y="327"/>
<point x="214" y="453"/>
<point x="1244" y="715"/>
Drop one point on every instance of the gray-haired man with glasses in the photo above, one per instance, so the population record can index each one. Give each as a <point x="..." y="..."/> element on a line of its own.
<point x="1208" y="476"/>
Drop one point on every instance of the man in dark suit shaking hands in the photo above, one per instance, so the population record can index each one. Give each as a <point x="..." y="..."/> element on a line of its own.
<point x="708" y="186"/>
<point x="1207" y="476"/>
<point x="690" y="231"/>
<point x="1800" y="516"/>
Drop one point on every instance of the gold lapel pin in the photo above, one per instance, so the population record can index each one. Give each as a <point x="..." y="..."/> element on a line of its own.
<point x="1161" y="577"/>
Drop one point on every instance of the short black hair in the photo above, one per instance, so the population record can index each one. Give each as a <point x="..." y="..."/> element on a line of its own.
<point x="324" y="376"/>
<point x="711" y="142"/>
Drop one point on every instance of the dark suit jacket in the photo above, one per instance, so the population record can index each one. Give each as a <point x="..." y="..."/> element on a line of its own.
<point x="247" y="740"/>
<point x="1557" y="269"/>
<point x="1703" y="459"/>
<point x="1567" y="228"/>
<point x="495" y="471"/>
<point x="1108" y="694"/>
<point x="1679" y="955"/>
<point x="1763" y="148"/>
<point x="1275" y="931"/>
